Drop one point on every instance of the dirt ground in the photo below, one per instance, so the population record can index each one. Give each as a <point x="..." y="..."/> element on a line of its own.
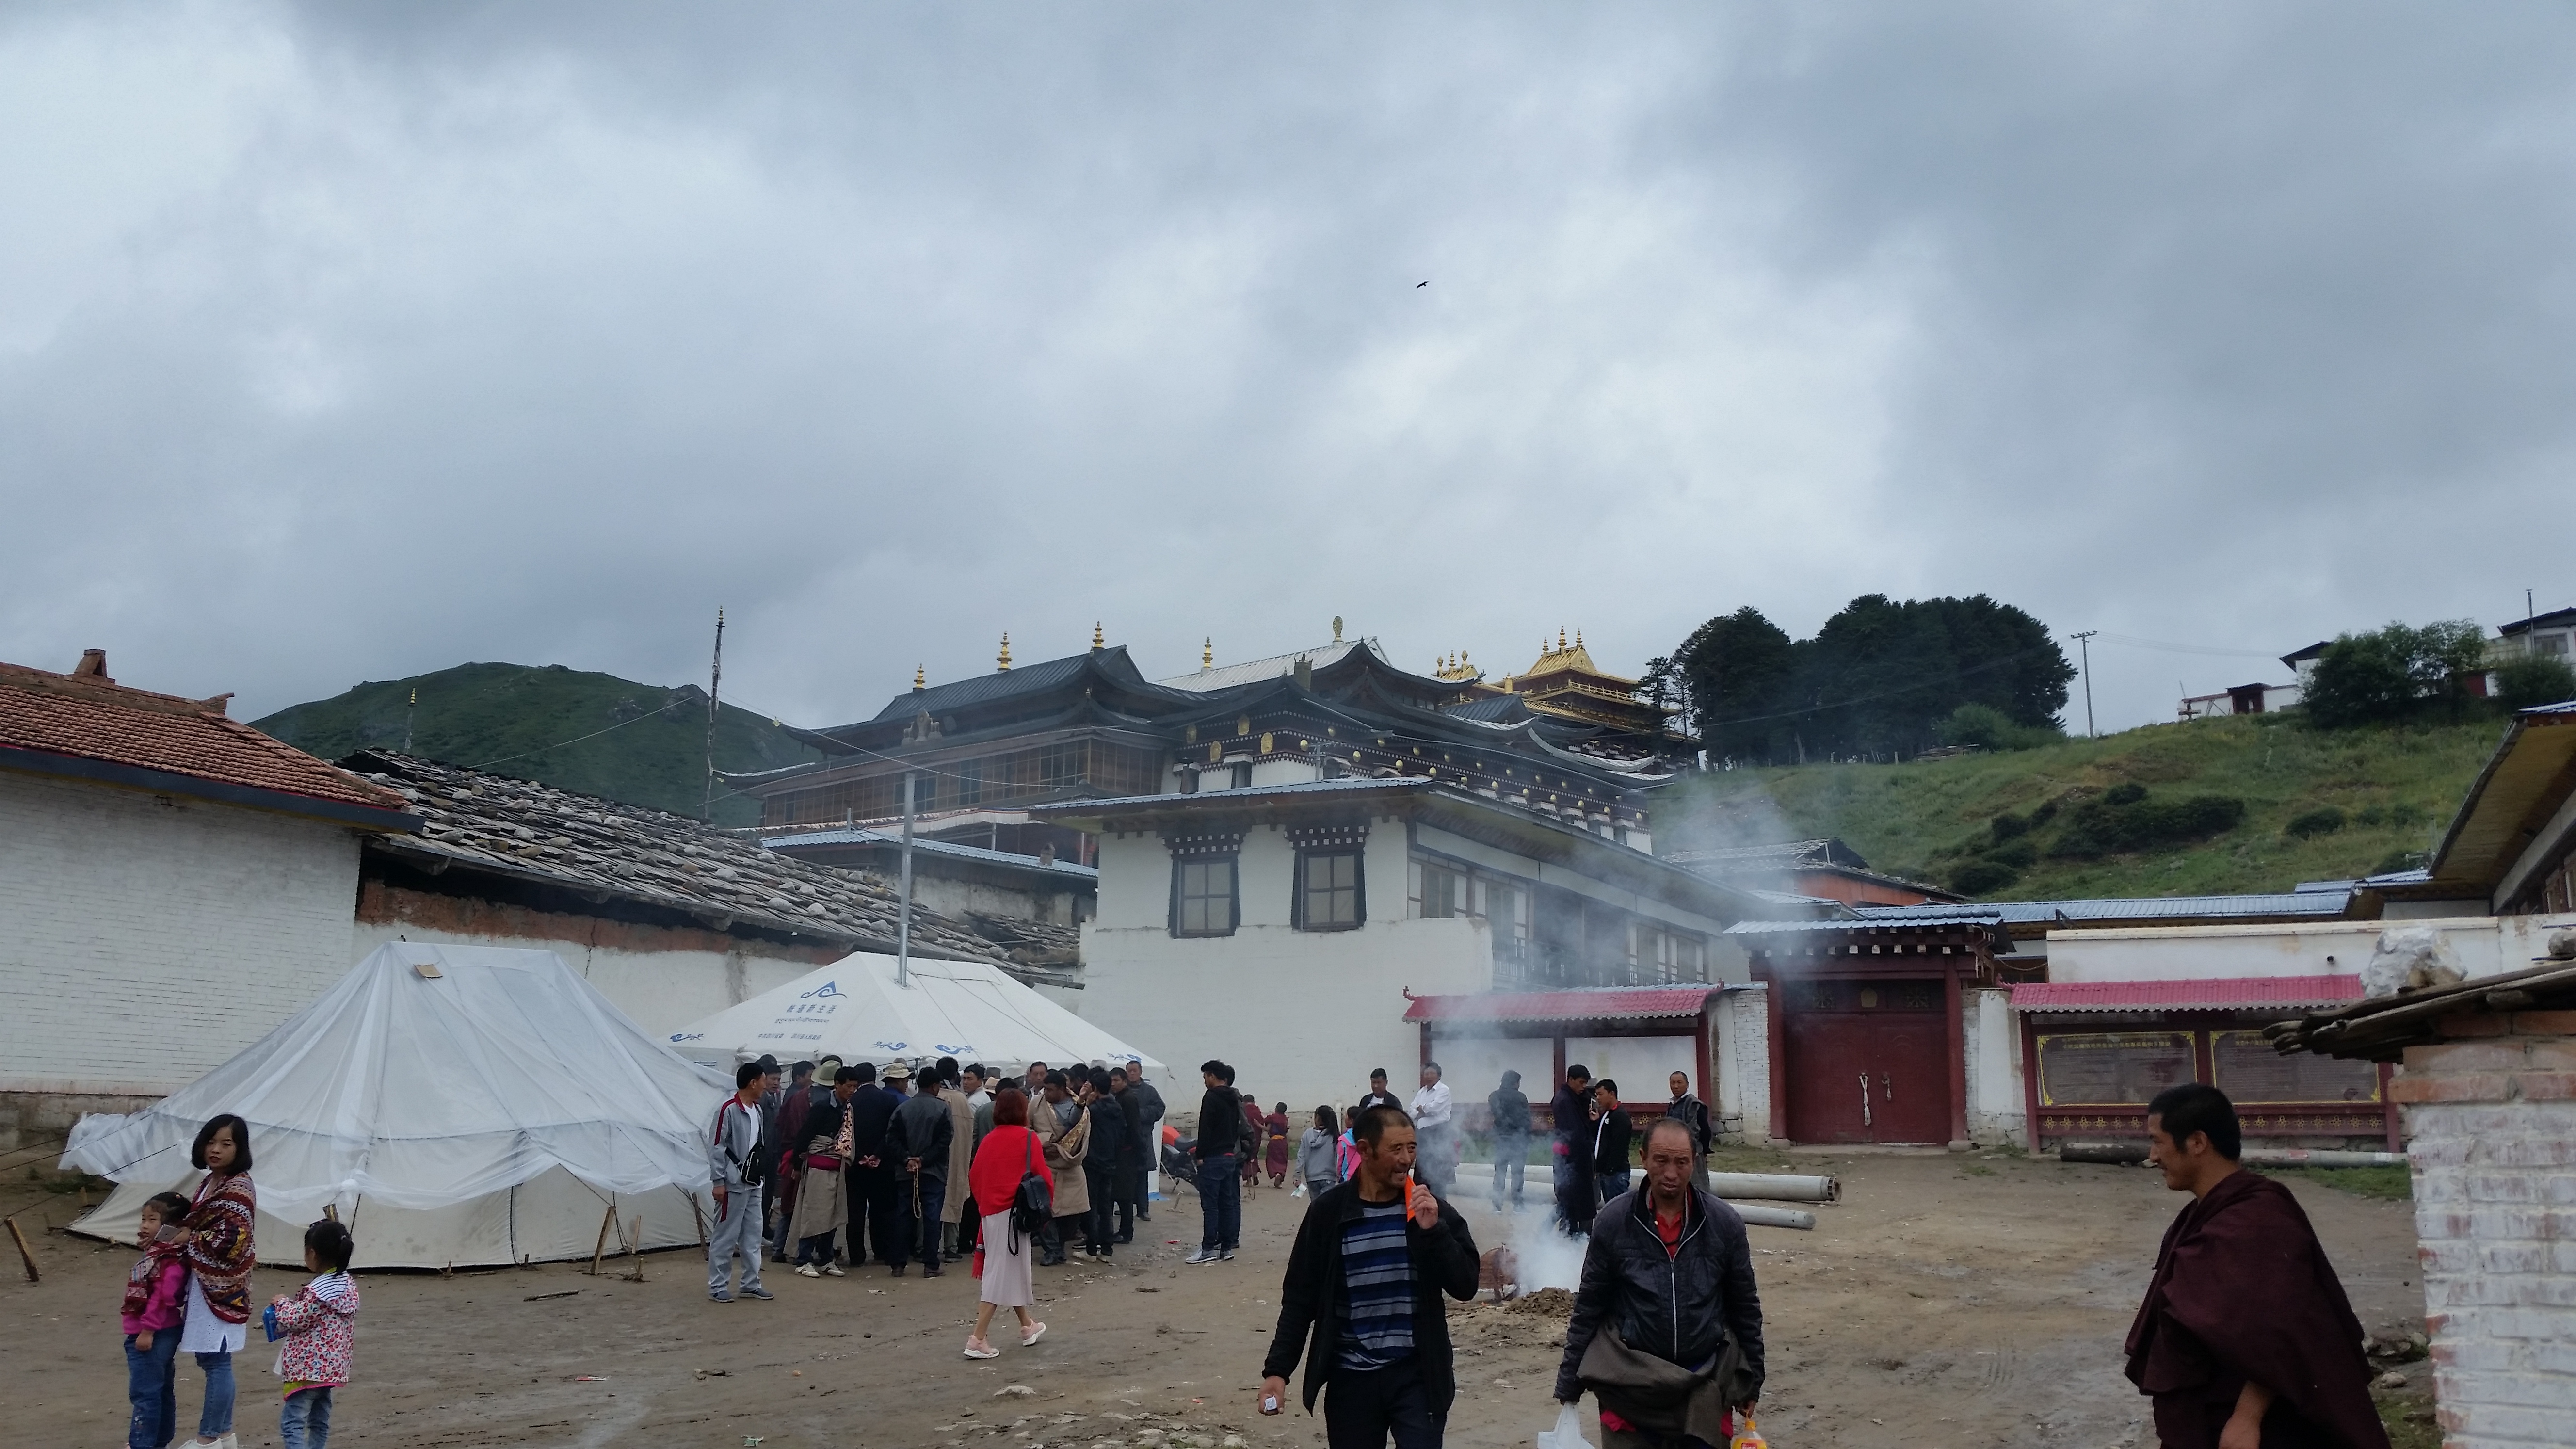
<point x="1949" y="1302"/>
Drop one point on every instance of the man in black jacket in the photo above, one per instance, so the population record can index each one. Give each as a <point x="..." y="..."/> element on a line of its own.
<point x="1572" y="1123"/>
<point x="1611" y="1134"/>
<point x="1361" y="1299"/>
<point x="1220" y="1191"/>
<point x="1510" y="1108"/>
<point x="916" y="1146"/>
<point x="871" y="1183"/>
<point x="1145" y="1116"/>
<point x="1110" y="1140"/>
<point x="1669" y="1279"/>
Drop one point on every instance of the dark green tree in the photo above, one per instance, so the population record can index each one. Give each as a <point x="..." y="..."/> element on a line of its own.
<point x="2389" y="673"/>
<point x="1735" y="672"/>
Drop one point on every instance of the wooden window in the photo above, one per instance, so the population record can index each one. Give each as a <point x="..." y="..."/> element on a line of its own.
<point x="1439" y="892"/>
<point x="1242" y="778"/>
<point x="1329" y="891"/>
<point x="1203" y="896"/>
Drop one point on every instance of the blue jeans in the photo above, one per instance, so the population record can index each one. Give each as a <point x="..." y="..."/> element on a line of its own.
<point x="152" y="1383"/>
<point x="215" y="1420"/>
<point x="304" y="1422"/>
<point x="1220" y="1203"/>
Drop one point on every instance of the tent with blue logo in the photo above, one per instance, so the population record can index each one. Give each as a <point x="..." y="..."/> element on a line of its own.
<point x="854" y="1009"/>
<point x="460" y="1105"/>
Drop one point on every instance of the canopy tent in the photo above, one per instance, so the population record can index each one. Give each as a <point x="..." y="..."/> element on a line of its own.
<point x="853" y="1009"/>
<point x="455" y="1104"/>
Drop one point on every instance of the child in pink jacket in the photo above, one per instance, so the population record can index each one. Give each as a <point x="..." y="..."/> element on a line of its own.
<point x="315" y="1326"/>
<point x="151" y="1316"/>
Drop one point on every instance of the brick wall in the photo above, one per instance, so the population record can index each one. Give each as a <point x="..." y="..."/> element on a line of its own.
<point x="146" y="938"/>
<point x="2491" y="1133"/>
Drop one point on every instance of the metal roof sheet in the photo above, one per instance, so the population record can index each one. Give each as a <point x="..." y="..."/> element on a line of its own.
<point x="932" y="847"/>
<point x="1254" y="671"/>
<point x="2217" y="993"/>
<point x="1585" y="1004"/>
<point x="2130" y="908"/>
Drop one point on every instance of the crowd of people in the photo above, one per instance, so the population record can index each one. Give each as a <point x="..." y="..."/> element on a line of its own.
<point x="845" y="1163"/>
<point x="2244" y="1338"/>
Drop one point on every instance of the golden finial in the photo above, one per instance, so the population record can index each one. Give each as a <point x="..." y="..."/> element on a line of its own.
<point x="1560" y="639"/>
<point x="1003" y="659"/>
<point x="1207" y="652"/>
<point x="920" y="681"/>
<point x="1098" y="640"/>
<point x="1337" y="628"/>
<point x="1578" y="638"/>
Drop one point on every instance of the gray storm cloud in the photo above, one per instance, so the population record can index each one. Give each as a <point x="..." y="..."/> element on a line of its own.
<point x="349" y="342"/>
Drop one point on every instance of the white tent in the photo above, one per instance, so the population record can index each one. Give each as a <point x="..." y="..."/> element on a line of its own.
<point x="853" y="1009"/>
<point x="454" y="1104"/>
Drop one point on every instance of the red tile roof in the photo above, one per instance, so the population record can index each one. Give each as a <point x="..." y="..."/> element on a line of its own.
<point x="2217" y="993"/>
<point x="1586" y="1005"/>
<point x="71" y="717"/>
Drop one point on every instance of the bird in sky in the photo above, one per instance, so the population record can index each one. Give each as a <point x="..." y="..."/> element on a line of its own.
<point x="1418" y="286"/>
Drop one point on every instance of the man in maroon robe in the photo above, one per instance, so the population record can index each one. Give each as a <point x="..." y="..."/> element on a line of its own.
<point x="2245" y="1340"/>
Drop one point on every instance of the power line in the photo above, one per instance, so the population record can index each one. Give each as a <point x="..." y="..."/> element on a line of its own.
<point x="577" y="739"/>
<point x="2134" y="642"/>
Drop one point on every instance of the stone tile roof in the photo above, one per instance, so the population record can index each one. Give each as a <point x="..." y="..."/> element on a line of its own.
<point x="92" y="717"/>
<point x="602" y="848"/>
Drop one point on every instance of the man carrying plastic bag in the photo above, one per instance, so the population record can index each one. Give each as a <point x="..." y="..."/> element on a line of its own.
<point x="1667" y="1327"/>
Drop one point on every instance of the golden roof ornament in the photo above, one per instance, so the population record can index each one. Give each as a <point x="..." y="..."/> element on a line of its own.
<point x="1207" y="652"/>
<point x="1002" y="661"/>
<point x="1098" y="640"/>
<point x="1337" y="628"/>
<point x="920" y="681"/>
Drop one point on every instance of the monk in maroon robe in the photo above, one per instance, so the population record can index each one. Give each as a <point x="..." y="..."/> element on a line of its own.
<point x="2245" y="1340"/>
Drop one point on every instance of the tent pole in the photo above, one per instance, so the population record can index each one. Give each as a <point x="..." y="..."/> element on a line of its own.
<point x="903" y="908"/>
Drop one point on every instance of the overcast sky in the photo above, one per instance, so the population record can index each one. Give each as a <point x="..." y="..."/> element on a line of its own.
<point x="357" y="341"/>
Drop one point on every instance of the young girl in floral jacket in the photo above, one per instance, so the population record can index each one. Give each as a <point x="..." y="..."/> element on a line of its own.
<point x="315" y="1328"/>
<point x="150" y="1316"/>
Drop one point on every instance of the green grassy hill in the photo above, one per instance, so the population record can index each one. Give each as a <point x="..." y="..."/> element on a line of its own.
<point x="647" y="742"/>
<point x="2145" y="813"/>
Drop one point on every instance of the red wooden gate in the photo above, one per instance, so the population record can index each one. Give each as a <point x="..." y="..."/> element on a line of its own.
<point x="1868" y="1062"/>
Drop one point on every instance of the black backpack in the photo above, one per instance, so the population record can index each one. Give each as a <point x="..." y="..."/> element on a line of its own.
<point x="1033" y="1206"/>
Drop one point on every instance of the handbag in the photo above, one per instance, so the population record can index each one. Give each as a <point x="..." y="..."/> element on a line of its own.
<point x="1033" y="1206"/>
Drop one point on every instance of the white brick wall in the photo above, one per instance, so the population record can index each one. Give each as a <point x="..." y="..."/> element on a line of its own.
<point x="1743" y="1036"/>
<point x="2491" y="1135"/>
<point x="146" y="938"/>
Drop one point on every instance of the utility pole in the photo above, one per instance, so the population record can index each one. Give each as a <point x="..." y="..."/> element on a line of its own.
<point x="715" y="683"/>
<point x="2084" y="644"/>
<point x="413" y="708"/>
<point x="903" y="907"/>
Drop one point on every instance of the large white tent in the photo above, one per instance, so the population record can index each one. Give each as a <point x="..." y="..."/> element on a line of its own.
<point x="454" y="1104"/>
<point x="853" y="1009"/>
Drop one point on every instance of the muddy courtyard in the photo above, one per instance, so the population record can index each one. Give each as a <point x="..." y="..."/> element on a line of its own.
<point x="1951" y="1301"/>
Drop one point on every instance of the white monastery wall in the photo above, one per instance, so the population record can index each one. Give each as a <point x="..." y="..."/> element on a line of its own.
<point x="2485" y="945"/>
<point x="1743" y="1038"/>
<point x="147" y="938"/>
<point x="1997" y="1110"/>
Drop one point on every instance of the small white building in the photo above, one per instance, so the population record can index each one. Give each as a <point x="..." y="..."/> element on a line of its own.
<point x="172" y="884"/>
<point x="1287" y="928"/>
<point x="2239" y="699"/>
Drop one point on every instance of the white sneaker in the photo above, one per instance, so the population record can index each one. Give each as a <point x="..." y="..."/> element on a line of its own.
<point x="834" y="1270"/>
<point x="978" y="1349"/>
<point x="808" y="1270"/>
<point x="1203" y="1255"/>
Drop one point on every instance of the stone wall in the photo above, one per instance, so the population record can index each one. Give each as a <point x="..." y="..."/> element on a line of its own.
<point x="2491" y="1134"/>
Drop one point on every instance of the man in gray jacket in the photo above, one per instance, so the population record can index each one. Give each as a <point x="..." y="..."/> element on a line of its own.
<point x="734" y="1161"/>
<point x="917" y="1142"/>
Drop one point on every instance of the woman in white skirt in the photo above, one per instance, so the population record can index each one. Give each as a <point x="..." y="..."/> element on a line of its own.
<point x="216" y="1241"/>
<point x="1004" y="1261"/>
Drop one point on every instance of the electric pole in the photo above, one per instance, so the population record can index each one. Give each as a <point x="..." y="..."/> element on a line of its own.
<point x="903" y="905"/>
<point x="715" y="683"/>
<point x="2084" y="646"/>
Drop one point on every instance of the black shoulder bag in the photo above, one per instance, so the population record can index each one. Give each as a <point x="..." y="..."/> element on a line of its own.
<point x="1033" y="1206"/>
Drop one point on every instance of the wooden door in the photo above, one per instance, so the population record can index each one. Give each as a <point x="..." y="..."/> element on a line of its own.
<point x="1872" y="1067"/>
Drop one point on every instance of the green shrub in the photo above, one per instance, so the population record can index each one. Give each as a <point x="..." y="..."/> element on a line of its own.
<point x="1978" y="877"/>
<point x="2020" y="854"/>
<point x="2008" y="825"/>
<point x="2308" y="825"/>
<point x="2125" y="820"/>
<point x="2533" y="680"/>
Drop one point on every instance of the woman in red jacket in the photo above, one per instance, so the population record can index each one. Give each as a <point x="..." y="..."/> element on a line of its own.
<point x="1008" y="1153"/>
